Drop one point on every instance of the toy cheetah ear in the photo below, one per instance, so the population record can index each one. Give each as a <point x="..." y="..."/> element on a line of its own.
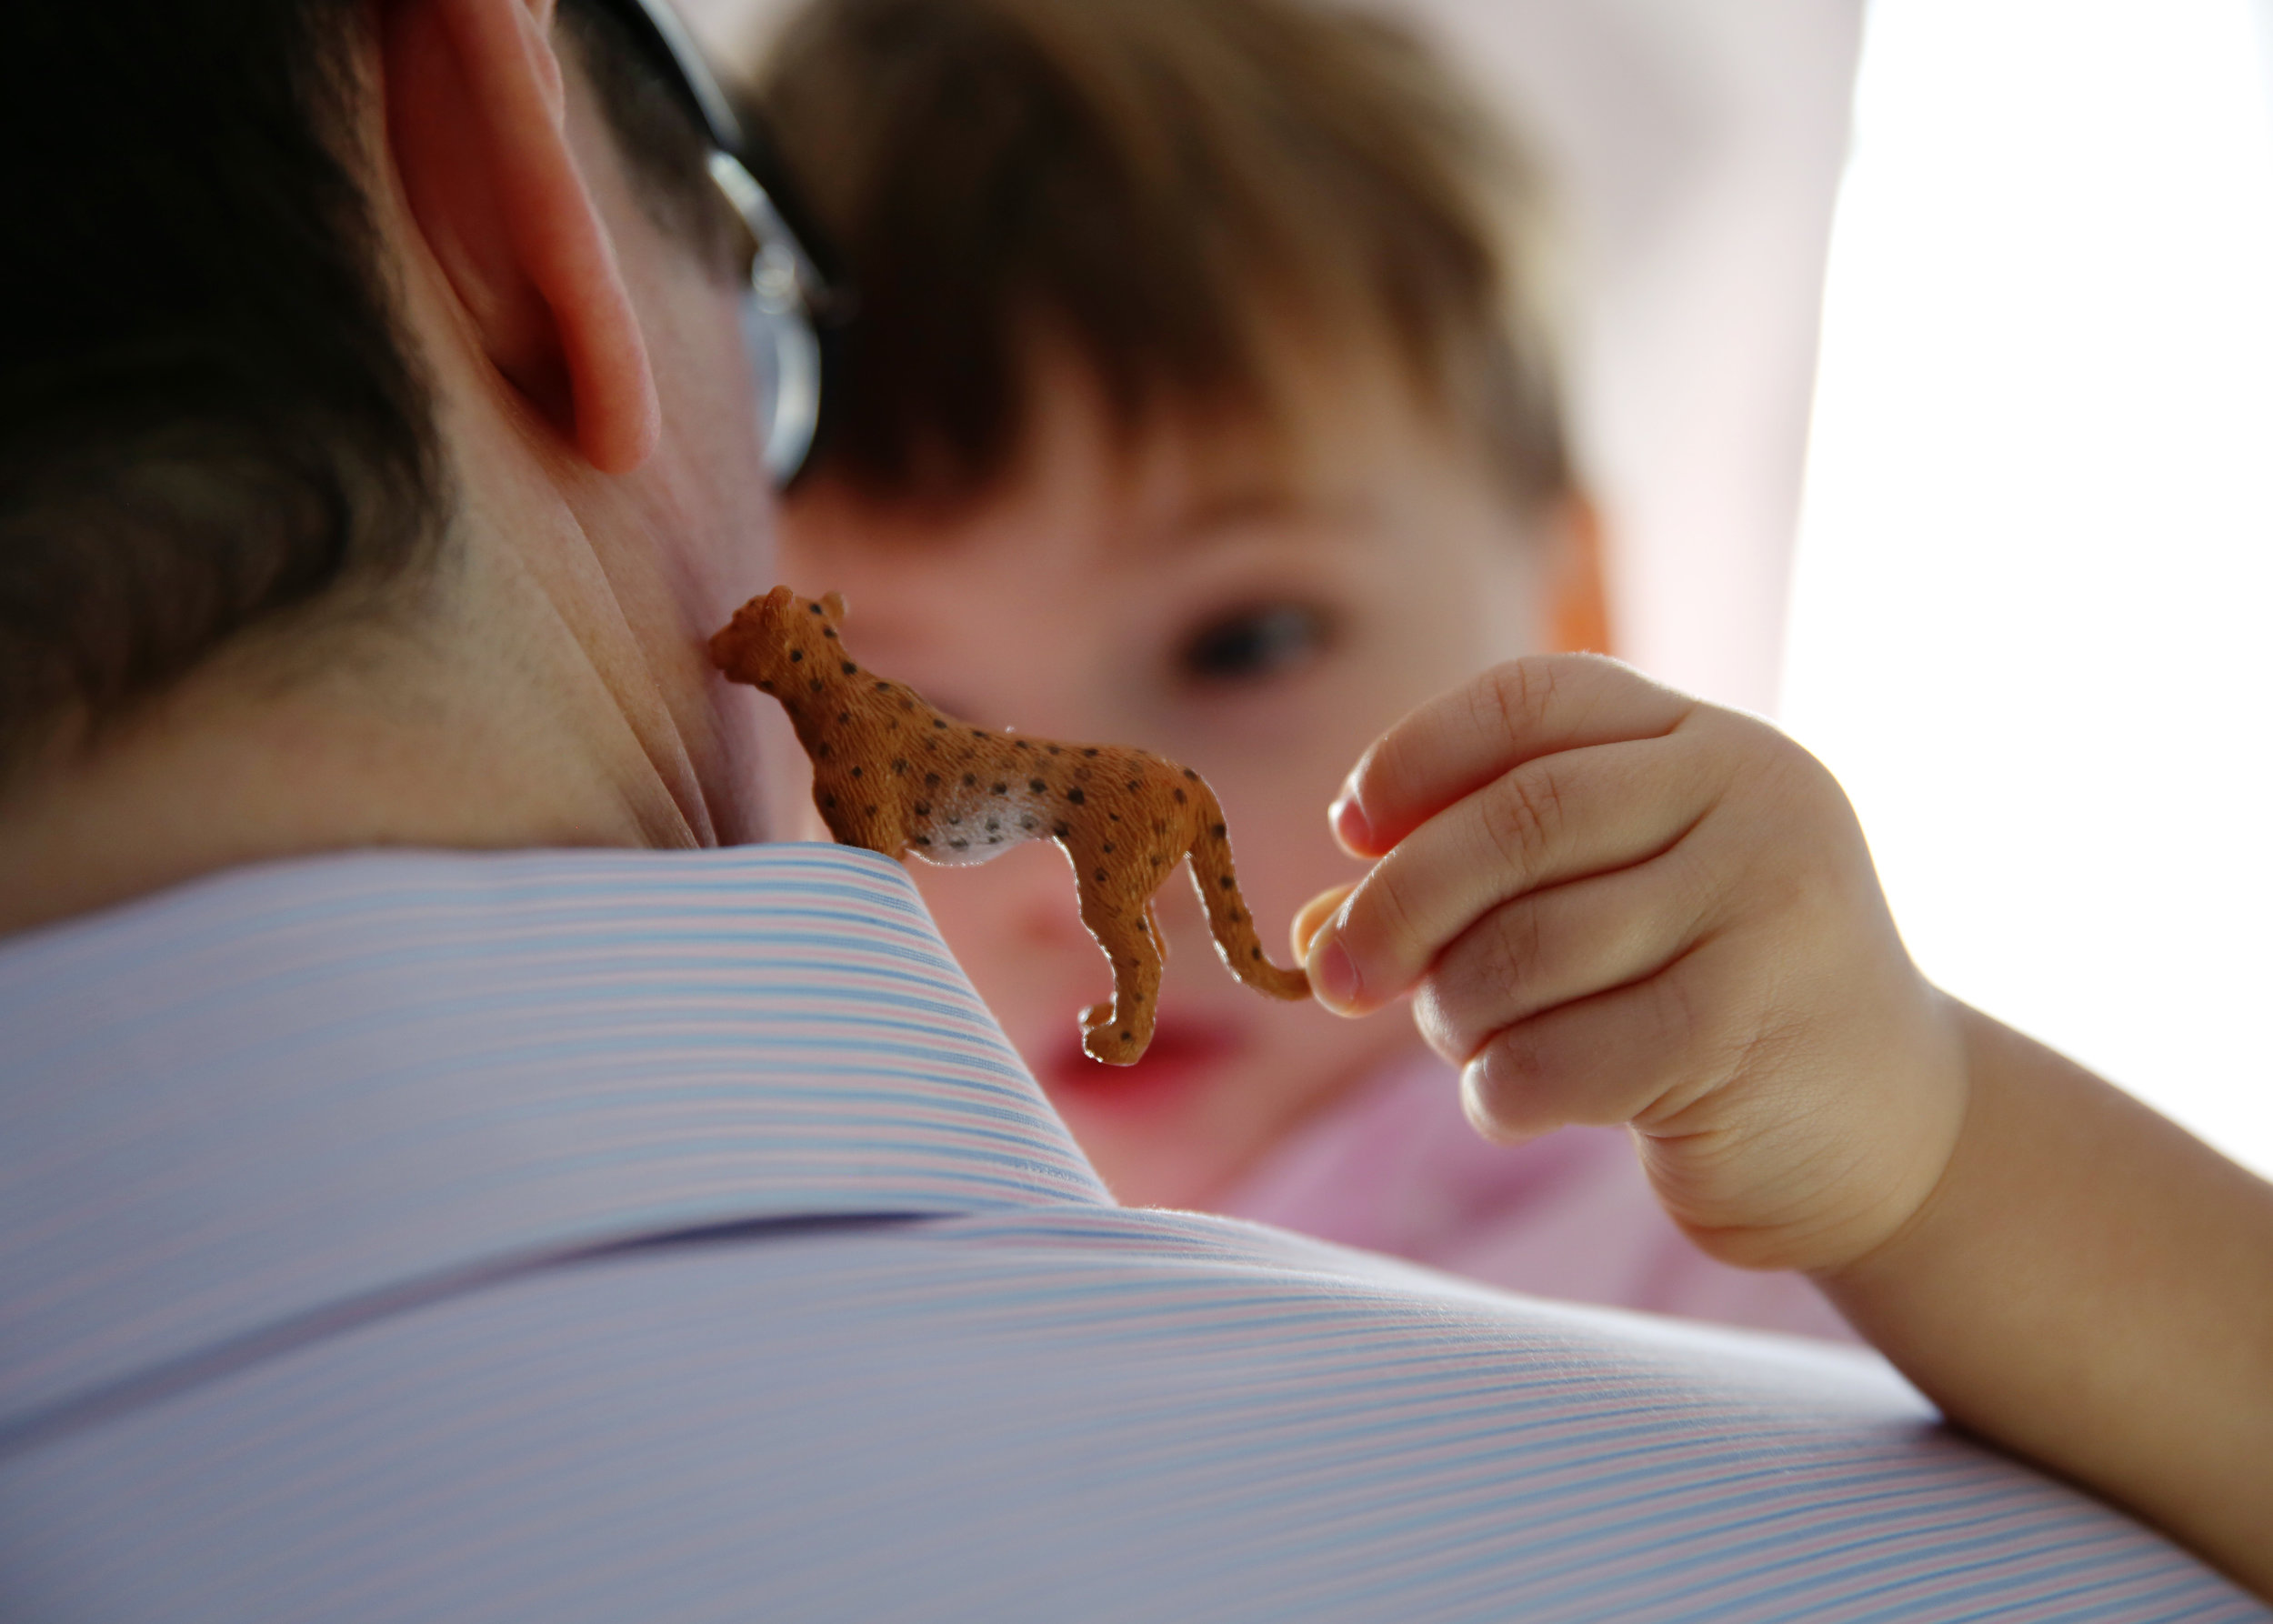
<point x="833" y="606"/>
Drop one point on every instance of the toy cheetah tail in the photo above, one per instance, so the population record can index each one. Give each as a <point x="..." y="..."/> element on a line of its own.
<point x="1228" y="915"/>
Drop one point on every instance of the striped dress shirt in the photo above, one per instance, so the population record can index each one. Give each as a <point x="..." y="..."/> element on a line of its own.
<point x="657" y="1238"/>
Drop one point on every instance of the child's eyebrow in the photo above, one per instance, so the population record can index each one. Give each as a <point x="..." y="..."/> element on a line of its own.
<point x="1207" y="520"/>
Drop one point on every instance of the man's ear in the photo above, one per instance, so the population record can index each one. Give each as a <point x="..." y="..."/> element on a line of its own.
<point x="1578" y="600"/>
<point x="477" y="125"/>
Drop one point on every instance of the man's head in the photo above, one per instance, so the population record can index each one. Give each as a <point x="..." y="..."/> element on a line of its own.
<point x="392" y="340"/>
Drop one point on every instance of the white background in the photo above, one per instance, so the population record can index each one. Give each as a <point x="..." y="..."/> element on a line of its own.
<point x="2030" y="620"/>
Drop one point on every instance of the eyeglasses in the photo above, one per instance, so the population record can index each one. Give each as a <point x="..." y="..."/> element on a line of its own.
<point x="795" y="309"/>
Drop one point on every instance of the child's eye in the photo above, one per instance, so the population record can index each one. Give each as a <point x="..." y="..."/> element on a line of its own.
<point x="1264" y="641"/>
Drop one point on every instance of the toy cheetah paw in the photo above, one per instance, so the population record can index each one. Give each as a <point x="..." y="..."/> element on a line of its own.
<point x="1114" y="1042"/>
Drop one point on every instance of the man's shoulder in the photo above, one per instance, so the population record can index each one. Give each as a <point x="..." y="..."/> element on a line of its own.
<point x="1064" y="1411"/>
<point x="676" y="1236"/>
<point x="276" y="1095"/>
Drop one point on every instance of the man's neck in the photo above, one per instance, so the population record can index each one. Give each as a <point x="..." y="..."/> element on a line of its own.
<point x="516" y="743"/>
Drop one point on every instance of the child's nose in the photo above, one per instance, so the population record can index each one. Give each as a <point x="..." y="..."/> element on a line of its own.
<point x="1030" y="893"/>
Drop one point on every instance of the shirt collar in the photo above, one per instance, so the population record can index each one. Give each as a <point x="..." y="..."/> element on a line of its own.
<point x="307" y="1085"/>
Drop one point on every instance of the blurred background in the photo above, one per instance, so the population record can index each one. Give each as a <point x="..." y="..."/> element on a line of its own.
<point x="2030" y="623"/>
<point x="1923" y="356"/>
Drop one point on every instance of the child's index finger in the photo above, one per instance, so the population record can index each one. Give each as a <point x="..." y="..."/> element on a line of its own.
<point x="1514" y="712"/>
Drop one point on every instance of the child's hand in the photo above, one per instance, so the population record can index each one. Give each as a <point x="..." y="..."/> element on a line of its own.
<point x="1614" y="904"/>
<point x="1617" y="904"/>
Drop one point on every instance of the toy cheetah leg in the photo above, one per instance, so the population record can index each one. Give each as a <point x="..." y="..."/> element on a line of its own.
<point x="1117" y="1032"/>
<point x="855" y="820"/>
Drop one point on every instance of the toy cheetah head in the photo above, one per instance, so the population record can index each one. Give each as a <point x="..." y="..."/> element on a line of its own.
<point x="771" y="637"/>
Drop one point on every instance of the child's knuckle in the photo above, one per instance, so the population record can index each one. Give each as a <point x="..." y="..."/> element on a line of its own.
<point x="1525" y="817"/>
<point x="1383" y="922"/>
<point x="1680" y="1013"/>
<point x="1483" y="980"/>
<point x="1515" y="949"/>
<point x="1513" y="696"/>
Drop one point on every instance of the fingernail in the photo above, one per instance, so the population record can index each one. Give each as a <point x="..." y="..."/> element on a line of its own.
<point x="1333" y="973"/>
<point x="1474" y="1107"/>
<point x="1314" y="915"/>
<point x="1348" y="819"/>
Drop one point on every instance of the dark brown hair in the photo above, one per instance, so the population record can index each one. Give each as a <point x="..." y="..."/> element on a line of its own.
<point x="209" y="419"/>
<point x="1169" y="185"/>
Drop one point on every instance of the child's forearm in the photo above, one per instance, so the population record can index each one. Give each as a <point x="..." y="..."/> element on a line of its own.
<point x="2090" y="1287"/>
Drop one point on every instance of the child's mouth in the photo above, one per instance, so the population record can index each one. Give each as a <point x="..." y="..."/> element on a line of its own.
<point x="1185" y="1053"/>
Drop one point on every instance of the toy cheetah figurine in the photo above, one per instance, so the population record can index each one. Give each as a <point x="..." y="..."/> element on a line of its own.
<point x="893" y="774"/>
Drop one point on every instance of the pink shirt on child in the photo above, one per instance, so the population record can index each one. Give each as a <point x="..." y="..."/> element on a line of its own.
<point x="1394" y="1168"/>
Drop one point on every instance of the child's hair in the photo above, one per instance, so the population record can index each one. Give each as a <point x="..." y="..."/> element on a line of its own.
<point x="1173" y="189"/>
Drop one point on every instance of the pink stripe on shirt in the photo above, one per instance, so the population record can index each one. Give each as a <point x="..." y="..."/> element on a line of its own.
<point x="1394" y="1166"/>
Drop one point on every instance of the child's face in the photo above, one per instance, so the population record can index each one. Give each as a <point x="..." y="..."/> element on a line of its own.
<point x="1257" y="609"/>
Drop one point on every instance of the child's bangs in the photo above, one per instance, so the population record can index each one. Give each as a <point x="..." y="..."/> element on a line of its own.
<point x="1175" y="193"/>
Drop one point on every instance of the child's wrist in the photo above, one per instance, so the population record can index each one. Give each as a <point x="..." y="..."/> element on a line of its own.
<point x="1906" y="1221"/>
